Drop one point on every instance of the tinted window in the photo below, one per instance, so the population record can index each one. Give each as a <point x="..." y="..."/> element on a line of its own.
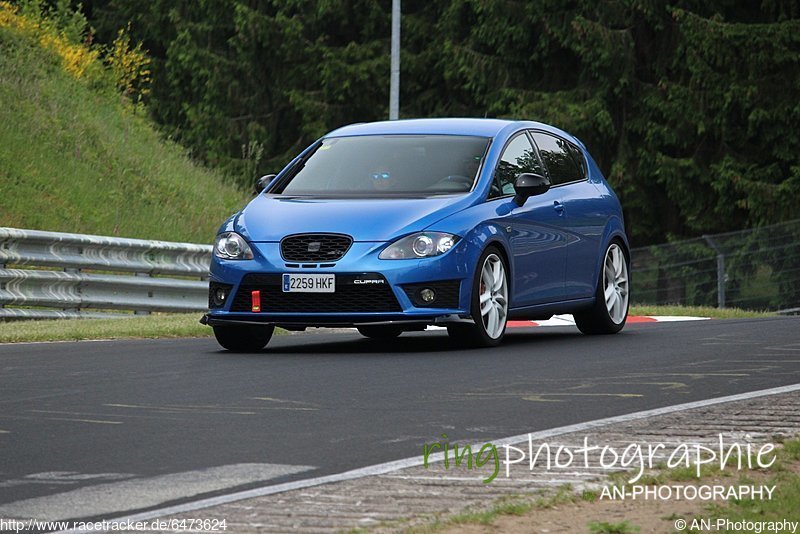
<point x="386" y="165"/>
<point x="556" y="156"/>
<point x="577" y="154"/>
<point x="518" y="157"/>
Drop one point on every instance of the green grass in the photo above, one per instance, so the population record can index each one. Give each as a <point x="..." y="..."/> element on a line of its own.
<point x="145" y="326"/>
<point x="487" y="517"/>
<point x="698" y="311"/>
<point x="603" y="527"/>
<point x="785" y="502"/>
<point x="511" y="505"/>
<point x="76" y="157"/>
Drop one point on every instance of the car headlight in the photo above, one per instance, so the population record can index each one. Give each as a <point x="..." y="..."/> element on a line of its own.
<point x="421" y="245"/>
<point x="232" y="246"/>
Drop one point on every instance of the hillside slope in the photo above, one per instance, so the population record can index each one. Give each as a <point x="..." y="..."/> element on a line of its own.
<point x="76" y="157"/>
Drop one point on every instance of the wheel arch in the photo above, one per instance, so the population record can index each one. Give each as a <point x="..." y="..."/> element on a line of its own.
<point x="614" y="232"/>
<point x="476" y="240"/>
<point x="501" y="246"/>
<point x="479" y="332"/>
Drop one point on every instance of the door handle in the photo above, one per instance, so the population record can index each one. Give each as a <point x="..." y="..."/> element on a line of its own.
<point x="559" y="207"/>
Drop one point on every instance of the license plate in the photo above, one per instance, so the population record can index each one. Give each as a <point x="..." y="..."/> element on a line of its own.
<point x="309" y="283"/>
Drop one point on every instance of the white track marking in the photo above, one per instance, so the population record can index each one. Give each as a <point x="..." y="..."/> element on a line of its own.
<point x="112" y="497"/>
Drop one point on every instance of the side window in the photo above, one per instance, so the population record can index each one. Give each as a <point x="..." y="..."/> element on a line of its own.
<point x="518" y="157"/>
<point x="577" y="154"/>
<point x="556" y="156"/>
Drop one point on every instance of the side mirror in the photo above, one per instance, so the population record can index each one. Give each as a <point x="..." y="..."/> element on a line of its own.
<point x="262" y="183"/>
<point x="529" y="185"/>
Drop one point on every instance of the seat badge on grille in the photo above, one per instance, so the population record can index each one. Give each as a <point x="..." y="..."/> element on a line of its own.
<point x="314" y="246"/>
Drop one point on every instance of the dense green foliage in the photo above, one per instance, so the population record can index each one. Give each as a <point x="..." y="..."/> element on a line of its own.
<point x="690" y="108"/>
<point x="77" y="157"/>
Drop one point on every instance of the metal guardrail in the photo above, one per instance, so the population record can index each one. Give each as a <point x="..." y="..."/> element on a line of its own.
<point x="52" y="274"/>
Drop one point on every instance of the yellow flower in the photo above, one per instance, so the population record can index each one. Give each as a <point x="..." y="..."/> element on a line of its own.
<point x="76" y="59"/>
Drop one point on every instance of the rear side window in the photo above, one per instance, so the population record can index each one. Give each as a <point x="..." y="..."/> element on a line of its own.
<point x="558" y="159"/>
<point x="579" y="159"/>
<point x="518" y="157"/>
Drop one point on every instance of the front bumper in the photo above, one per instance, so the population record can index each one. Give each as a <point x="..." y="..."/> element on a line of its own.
<point x="338" y="322"/>
<point x="392" y="302"/>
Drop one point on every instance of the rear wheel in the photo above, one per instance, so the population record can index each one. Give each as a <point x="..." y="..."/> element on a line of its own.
<point x="245" y="338"/>
<point x="610" y="310"/>
<point x="489" y="306"/>
<point x="380" y="331"/>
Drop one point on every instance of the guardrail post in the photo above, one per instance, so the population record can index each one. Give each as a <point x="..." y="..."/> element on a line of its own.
<point x="73" y="270"/>
<point x="143" y="312"/>
<point x="720" y="271"/>
<point x="2" y="266"/>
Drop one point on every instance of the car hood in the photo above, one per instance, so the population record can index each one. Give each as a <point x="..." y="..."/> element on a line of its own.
<point x="272" y="217"/>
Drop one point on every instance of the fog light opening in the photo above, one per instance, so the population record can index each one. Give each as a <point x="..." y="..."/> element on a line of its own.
<point x="427" y="295"/>
<point x="218" y="296"/>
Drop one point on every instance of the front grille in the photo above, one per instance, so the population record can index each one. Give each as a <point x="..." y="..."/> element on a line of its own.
<point x="315" y="247"/>
<point x="447" y="294"/>
<point x="348" y="297"/>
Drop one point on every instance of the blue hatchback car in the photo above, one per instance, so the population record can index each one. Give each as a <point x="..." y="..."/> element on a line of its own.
<point x="393" y="226"/>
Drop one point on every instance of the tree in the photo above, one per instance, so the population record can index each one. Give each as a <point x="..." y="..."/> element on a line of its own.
<point x="689" y="109"/>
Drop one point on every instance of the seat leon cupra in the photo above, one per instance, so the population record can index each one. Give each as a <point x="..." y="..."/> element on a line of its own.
<point x="393" y="226"/>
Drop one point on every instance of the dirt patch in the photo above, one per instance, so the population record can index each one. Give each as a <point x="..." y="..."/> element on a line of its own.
<point x="649" y="516"/>
<point x="642" y="516"/>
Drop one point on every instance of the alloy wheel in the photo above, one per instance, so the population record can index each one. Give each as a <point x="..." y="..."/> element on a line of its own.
<point x="493" y="294"/>
<point x="615" y="276"/>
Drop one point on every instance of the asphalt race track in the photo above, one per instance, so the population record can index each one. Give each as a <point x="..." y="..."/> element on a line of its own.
<point x="101" y="429"/>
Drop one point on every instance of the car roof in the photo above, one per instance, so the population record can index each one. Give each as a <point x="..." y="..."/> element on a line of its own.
<point x="477" y="127"/>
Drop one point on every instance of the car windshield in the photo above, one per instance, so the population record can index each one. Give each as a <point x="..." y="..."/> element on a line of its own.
<point x="389" y="165"/>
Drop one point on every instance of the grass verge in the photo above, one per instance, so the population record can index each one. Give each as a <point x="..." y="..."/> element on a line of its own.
<point x="699" y="311"/>
<point x="145" y="326"/>
<point x="512" y="505"/>
<point x="186" y="325"/>
<point x="785" y="504"/>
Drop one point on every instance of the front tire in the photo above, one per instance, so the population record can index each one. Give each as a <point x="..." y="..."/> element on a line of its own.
<point x="610" y="309"/>
<point x="489" y="306"/>
<point x="380" y="331"/>
<point x="245" y="338"/>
